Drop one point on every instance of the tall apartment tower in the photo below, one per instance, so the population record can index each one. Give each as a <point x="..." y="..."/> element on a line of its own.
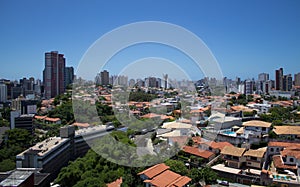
<point x="104" y="77"/>
<point x="297" y="79"/>
<point x="3" y="92"/>
<point x="69" y="76"/>
<point x="54" y="74"/>
<point x="279" y="79"/>
<point x="287" y="82"/>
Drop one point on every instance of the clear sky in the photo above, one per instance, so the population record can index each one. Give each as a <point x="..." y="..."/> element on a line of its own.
<point x="246" y="37"/>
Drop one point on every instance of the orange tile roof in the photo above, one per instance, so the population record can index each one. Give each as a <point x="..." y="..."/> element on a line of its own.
<point x="150" y="115"/>
<point x="81" y="124"/>
<point x="197" y="139"/>
<point x="116" y="183"/>
<point x="198" y="152"/>
<point x="154" y="170"/>
<point x="181" y="181"/>
<point x="52" y="119"/>
<point x="294" y="152"/>
<point x="278" y="163"/>
<point x="164" y="179"/>
<point x="219" y="145"/>
<point x="40" y="117"/>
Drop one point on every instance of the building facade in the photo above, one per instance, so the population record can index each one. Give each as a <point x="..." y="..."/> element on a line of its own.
<point x="54" y="74"/>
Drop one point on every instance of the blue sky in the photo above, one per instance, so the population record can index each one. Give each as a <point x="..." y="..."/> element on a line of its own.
<point x="246" y="37"/>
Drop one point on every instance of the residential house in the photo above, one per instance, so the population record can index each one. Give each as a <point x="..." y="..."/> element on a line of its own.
<point x="160" y="176"/>
<point x="255" y="158"/>
<point x="256" y="129"/>
<point x="233" y="156"/>
<point x="206" y="155"/>
<point x="287" y="132"/>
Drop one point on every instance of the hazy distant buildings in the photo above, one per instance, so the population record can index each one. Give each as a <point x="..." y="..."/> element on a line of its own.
<point x="54" y="74"/>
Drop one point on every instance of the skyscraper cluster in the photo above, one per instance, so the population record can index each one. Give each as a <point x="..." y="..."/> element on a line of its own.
<point x="56" y="76"/>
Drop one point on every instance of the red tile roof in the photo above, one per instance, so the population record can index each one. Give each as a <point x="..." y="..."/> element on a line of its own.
<point x="169" y="179"/>
<point x="294" y="152"/>
<point x="219" y="145"/>
<point x="116" y="183"/>
<point x="52" y="119"/>
<point x="198" y="152"/>
<point x="181" y="181"/>
<point x="278" y="163"/>
<point x="154" y="170"/>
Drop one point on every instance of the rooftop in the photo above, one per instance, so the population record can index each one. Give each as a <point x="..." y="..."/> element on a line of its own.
<point x="256" y="123"/>
<point x="278" y="163"/>
<point x="169" y="178"/>
<point x="283" y="144"/>
<point x="233" y="151"/>
<point x="45" y="146"/>
<point x="259" y="153"/>
<point x="16" y="178"/>
<point x="198" y="152"/>
<point x="286" y="130"/>
<point x="154" y="170"/>
<point x="176" y="125"/>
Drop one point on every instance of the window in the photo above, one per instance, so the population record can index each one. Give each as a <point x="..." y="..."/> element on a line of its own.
<point x="291" y="159"/>
<point x="249" y="163"/>
<point x="272" y="149"/>
<point x="277" y="149"/>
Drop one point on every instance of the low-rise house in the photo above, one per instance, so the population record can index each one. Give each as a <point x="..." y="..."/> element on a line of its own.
<point x="256" y="128"/>
<point x="255" y="158"/>
<point x="160" y="176"/>
<point x="233" y="156"/>
<point x="215" y="147"/>
<point x="206" y="155"/>
<point x="287" y="132"/>
<point x="285" y="156"/>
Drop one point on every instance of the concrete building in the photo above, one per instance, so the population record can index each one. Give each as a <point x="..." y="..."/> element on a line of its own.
<point x="54" y="74"/>
<point x="24" y="121"/>
<point x="3" y="92"/>
<point x="248" y="89"/>
<point x="278" y="79"/>
<point x="104" y="77"/>
<point x="53" y="153"/>
<point x="297" y="79"/>
<point x="69" y="75"/>
<point x="287" y="82"/>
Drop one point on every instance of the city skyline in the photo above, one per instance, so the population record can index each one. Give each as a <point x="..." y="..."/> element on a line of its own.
<point x="245" y="37"/>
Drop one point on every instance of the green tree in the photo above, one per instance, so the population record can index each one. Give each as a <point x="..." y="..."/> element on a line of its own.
<point x="177" y="166"/>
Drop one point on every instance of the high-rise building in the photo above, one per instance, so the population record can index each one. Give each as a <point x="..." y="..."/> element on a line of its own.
<point x="248" y="89"/>
<point x="279" y="79"/>
<point x="297" y="79"/>
<point x="104" y="77"/>
<point x="287" y="82"/>
<point x="3" y="93"/>
<point x="54" y="74"/>
<point x="69" y="76"/>
<point x="263" y="77"/>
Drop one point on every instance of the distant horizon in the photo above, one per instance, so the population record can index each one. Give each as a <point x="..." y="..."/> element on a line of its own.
<point x="246" y="38"/>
